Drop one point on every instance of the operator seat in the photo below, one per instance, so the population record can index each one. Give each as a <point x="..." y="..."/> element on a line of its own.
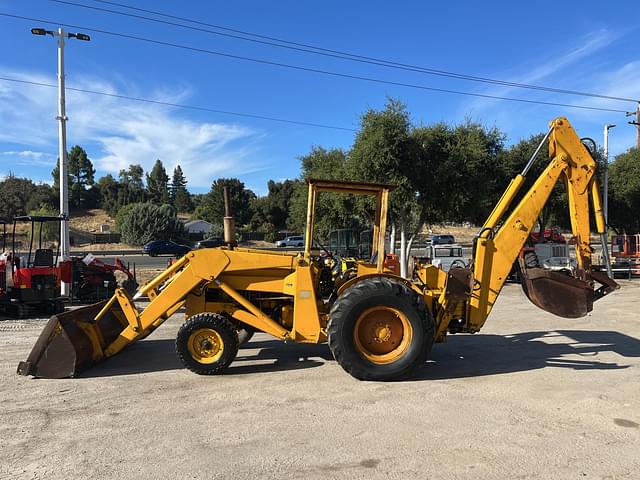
<point x="43" y="258"/>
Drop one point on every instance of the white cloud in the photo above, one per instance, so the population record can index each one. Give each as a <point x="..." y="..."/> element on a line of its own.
<point x="528" y="73"/>
<point x="623" y="81"/>
<point x="598" y="73"/>
<point x="30" y="158"/>
<point x="118" y="132"/>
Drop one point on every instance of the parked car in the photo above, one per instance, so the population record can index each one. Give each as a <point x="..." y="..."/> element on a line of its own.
<point x="442" y="239"/>
<point x="291" y="242"/>
<point x="165" y="247"/>
<point x="210" y="243"/>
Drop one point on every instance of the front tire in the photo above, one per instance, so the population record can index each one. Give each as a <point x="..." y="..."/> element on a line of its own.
<point x="380" y="329"/>
<point x="207" y="343"/>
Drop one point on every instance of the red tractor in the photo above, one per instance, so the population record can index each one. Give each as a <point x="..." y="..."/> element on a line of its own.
<point x="549" y="235"/>
<point x="3" y="262"/>
<point x="95" y="280"/>
<point x="31" y="279"/>
<point x="625" y="250"/>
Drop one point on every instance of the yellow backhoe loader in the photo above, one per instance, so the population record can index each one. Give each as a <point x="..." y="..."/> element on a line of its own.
<point x="379" y="326"/>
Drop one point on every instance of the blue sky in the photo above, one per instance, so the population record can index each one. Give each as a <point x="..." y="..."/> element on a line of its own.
<point x="587" y="46"/>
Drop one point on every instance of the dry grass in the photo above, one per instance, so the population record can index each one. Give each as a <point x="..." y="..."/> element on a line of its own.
<point x="145" y="274"/>
<point x="461" y="234"/>
<point x="91" y="220"/>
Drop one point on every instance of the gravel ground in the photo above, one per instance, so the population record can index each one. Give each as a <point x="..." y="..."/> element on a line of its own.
<point x="532" y="396"/>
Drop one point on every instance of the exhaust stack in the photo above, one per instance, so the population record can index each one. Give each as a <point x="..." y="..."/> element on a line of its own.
<point x="229" y="223"/>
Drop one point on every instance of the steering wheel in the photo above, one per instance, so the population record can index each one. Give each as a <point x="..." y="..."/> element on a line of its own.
<point x="329" y="254"/>
<point x="458" y="264"/>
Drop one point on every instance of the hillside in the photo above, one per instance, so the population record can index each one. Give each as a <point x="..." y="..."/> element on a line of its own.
<point x="91" y="220"/>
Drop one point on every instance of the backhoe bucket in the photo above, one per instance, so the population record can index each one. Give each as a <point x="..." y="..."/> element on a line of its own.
<point x="557" y="293"/>
<point x="73" y="341"/>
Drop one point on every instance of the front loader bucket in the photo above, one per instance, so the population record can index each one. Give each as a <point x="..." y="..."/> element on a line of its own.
<point x="73" y="341"/>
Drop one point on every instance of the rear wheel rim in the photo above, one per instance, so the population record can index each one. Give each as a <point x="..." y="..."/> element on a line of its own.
<point x="382" y="334"/>
<point x="205" y="345"/>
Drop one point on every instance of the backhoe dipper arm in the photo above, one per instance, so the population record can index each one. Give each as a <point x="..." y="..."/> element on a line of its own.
<point x="498" y="248"/>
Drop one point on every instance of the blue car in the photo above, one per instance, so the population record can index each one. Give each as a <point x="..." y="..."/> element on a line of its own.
<point x="165" y="247"/>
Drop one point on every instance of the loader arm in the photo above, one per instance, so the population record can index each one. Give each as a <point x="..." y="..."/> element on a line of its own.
<point x="75" y="340"/>
<point x="498" y="245"/>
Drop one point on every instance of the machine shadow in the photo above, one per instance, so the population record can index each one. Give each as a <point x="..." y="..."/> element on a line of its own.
<point x="478" y="355"/>
<point x="276" y="355"/>
<point x="159" y="355"/>
<point x="462" y="356"/>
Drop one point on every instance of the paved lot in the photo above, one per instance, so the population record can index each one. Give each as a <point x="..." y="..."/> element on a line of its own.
<point x="532" y="397"/>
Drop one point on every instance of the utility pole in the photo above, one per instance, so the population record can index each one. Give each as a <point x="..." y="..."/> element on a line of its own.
<point x="636" y="123"/>
<point x="65" y="287"/>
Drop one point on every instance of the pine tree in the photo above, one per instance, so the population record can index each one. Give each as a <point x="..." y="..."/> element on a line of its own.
<point x="131" y="185"/>
<point x="158" y="184"/>
<point x="109" y="188"/>
<point x="179" y="196"/>
<point x="80" y="177"/>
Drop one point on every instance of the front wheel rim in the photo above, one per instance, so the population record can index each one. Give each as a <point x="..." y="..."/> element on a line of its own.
<point x="205" y="345"/>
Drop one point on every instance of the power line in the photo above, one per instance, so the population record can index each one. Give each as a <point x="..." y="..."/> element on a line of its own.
<point x="302" y="47"/>
<point x="179" y="105"/>
<point x="309" y="69"/>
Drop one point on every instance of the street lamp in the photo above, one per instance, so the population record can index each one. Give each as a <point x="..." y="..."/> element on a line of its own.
<point x="606" y="172"/>
<point x="605" y="194"/>
<point x="65" y="287"/>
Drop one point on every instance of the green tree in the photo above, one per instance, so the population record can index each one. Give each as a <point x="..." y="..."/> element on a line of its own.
<point x="514" y="159"/>
<point x="271" y="211"/>
<point x="131" y="185"/>
<point x="158" y="184"/>
<point x="179" y="196"/>
<point x="42" y="197"/>
<point x="332" y="210"/>
<point x="50" y="230"/>
<point x="108" y="188"/>
<point x="385" y="152"/>
<point x="474" y="156"/>
<point x="80" y="173"/>
<point x="145" y="222"/>
<point x="16" y="194"/>
<point x="212" y="207"/>
<point x="458" y="175"/>
<point x="123" y="213"/>
<point x="624" y="189"/>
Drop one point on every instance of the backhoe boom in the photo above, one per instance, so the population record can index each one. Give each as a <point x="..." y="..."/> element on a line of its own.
<point x="499" y="244"/>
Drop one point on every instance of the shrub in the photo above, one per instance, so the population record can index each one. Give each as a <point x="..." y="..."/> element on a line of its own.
<point x="145" y="222"/>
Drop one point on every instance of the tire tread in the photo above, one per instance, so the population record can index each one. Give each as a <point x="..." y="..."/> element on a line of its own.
<point x="364" y="289"/>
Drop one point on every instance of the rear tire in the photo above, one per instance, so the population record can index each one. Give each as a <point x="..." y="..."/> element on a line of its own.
<point x="380" y="329"/>
<point x="207" y="343"/>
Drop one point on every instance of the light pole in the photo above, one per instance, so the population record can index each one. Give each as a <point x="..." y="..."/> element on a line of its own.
<point x="605" y="194"/>
<point x="65" y="287"/>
